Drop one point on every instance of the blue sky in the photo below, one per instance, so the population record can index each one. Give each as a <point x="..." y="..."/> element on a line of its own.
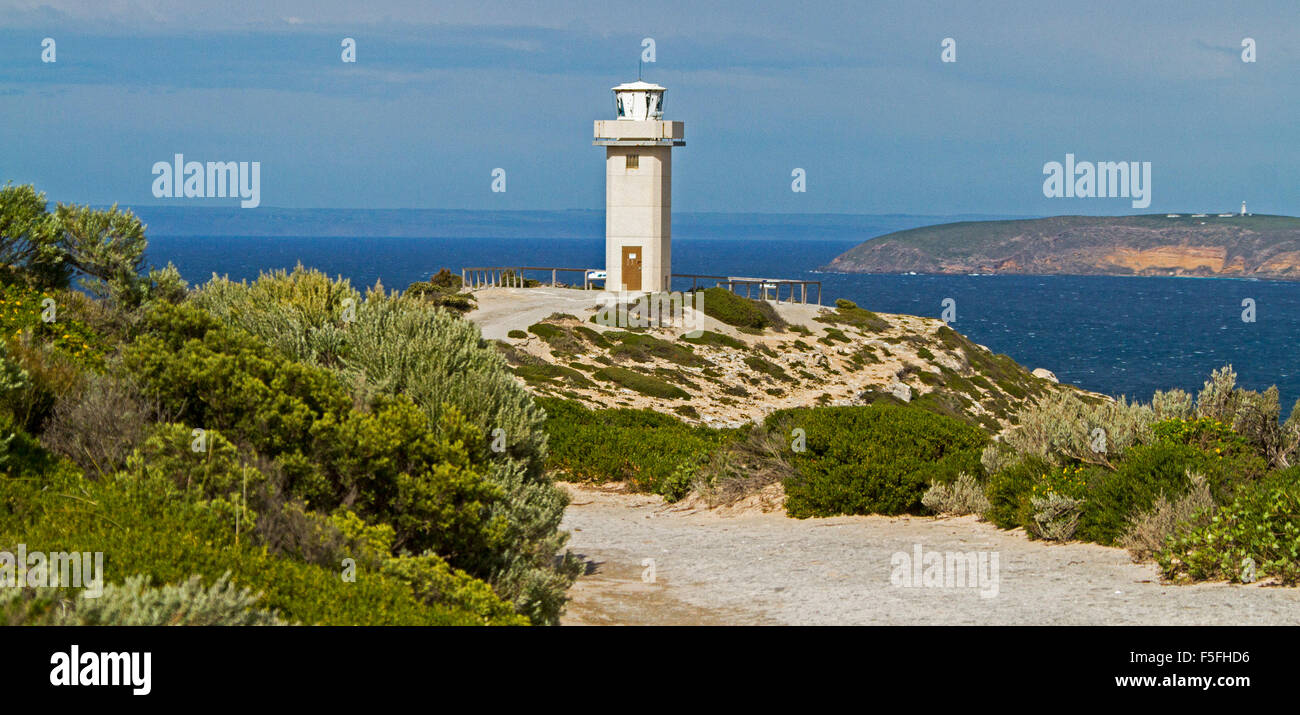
<point x="854" y="93"/>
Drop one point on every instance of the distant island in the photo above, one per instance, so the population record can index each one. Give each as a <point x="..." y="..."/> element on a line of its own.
<point x="1230" y="245"/>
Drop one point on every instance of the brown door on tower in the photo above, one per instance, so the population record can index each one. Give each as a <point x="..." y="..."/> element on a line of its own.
<point x="631" y="268"/>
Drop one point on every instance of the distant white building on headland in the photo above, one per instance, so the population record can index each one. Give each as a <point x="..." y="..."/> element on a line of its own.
<point x="1221" y="215"/>
<point x="638" y="188"/>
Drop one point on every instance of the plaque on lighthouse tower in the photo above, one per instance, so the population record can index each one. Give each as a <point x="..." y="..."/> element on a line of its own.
<point x="638" y="188"/>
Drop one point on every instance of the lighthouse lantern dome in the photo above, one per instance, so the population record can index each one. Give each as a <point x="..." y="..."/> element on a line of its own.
<point x="639" y="101"/>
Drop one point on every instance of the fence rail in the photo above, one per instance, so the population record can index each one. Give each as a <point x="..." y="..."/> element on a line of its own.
<point x="764" y="285"/>
<point x="513" y="276"/>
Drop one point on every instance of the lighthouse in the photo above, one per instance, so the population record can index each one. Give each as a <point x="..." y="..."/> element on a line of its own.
<point x="638" y="188"/>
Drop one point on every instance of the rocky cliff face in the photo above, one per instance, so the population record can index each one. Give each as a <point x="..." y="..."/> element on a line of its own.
<point x="1236" y="246"/>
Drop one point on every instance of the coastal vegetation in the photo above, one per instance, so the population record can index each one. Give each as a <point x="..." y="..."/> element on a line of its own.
<point x="1207" y="486"/>
<point x="293" y="449"/>
<point x="313" y="454"/>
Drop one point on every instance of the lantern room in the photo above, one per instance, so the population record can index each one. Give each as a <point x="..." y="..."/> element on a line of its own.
<point x="639" y="101"/>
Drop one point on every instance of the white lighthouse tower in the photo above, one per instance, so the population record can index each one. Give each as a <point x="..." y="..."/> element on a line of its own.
<point x="638" y="188"/>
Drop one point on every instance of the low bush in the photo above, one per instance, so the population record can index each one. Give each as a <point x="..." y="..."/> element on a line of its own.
<point x="1149" y="531"/>
<point x="649" y="450"/>
<point x="135" y="603"/>
<point x="848" y="313"/>
<point x="1010" y="488"/>
<point x="1056" y="516"/>
<point x="1147" y="472"/>
<point x="727" y="307"/>
<point x="768" y="368"/>
<point x="637" y="382"/>
<point x="963" y="496"/>
<point x="708" y="337"/>
<point x="76" y="430"/>
<point x="146" y="526"/>
<point x="442" y="290"/>
<point x="875" y="460"/>
<point x="1256" y="536"/>
<point x="1063" y="426"/>
<point x="40" y="375"/>
<point x="402" y="346"/>
<point x="747" y="462"/>
<point x="640" y="347"/>
<point x="548" y="373"/>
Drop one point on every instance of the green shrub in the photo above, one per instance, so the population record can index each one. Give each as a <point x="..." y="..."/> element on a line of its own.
<point x="765" y="367"/>
<point x="562" y="339"/>
<point x="640" y="347"/>
<point x="727" y="307"/>
<point x="964" y="496"/>
<point x="1146" y="472"/>
<point x="22" y="313"/>
<point x="1061" y="426"/>
<point x="1256" y="536"/>
<point x="76" y="431"/>
<point x="549" y="373"/>
<point x="517" y="334"/>
<point x="651" y="451"/>
<point x="637" y="382"/>
<point x="146" y="526"/>
<point x="388" y="463"/>
<point x="402" y="346"/>
<point x="435" y="582"/>
<point x="875" y="460"/>
<point x="41" y="375"/>
<point x="442" y="290"/>
<point x="45" y="250"/>
<point x="1150" y="530"/>
<point x="834" y="335"/>
<point x="1010" y="488"/>
<point x="708" y="337"/>
<point x="848" y="313"/>
<point x="303" y="313"/>
<point x="136" y="603"/>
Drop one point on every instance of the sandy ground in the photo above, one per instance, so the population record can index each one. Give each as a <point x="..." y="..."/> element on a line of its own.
<point x="769" y="569"/>
<point x="501" y="310"/>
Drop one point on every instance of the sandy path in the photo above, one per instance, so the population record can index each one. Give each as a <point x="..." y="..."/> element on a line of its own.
<point x="501" y="310"/>
<point x="769" y="569"/>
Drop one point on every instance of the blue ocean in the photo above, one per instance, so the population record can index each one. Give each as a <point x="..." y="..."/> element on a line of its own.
<point x="1120" y="336"/>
